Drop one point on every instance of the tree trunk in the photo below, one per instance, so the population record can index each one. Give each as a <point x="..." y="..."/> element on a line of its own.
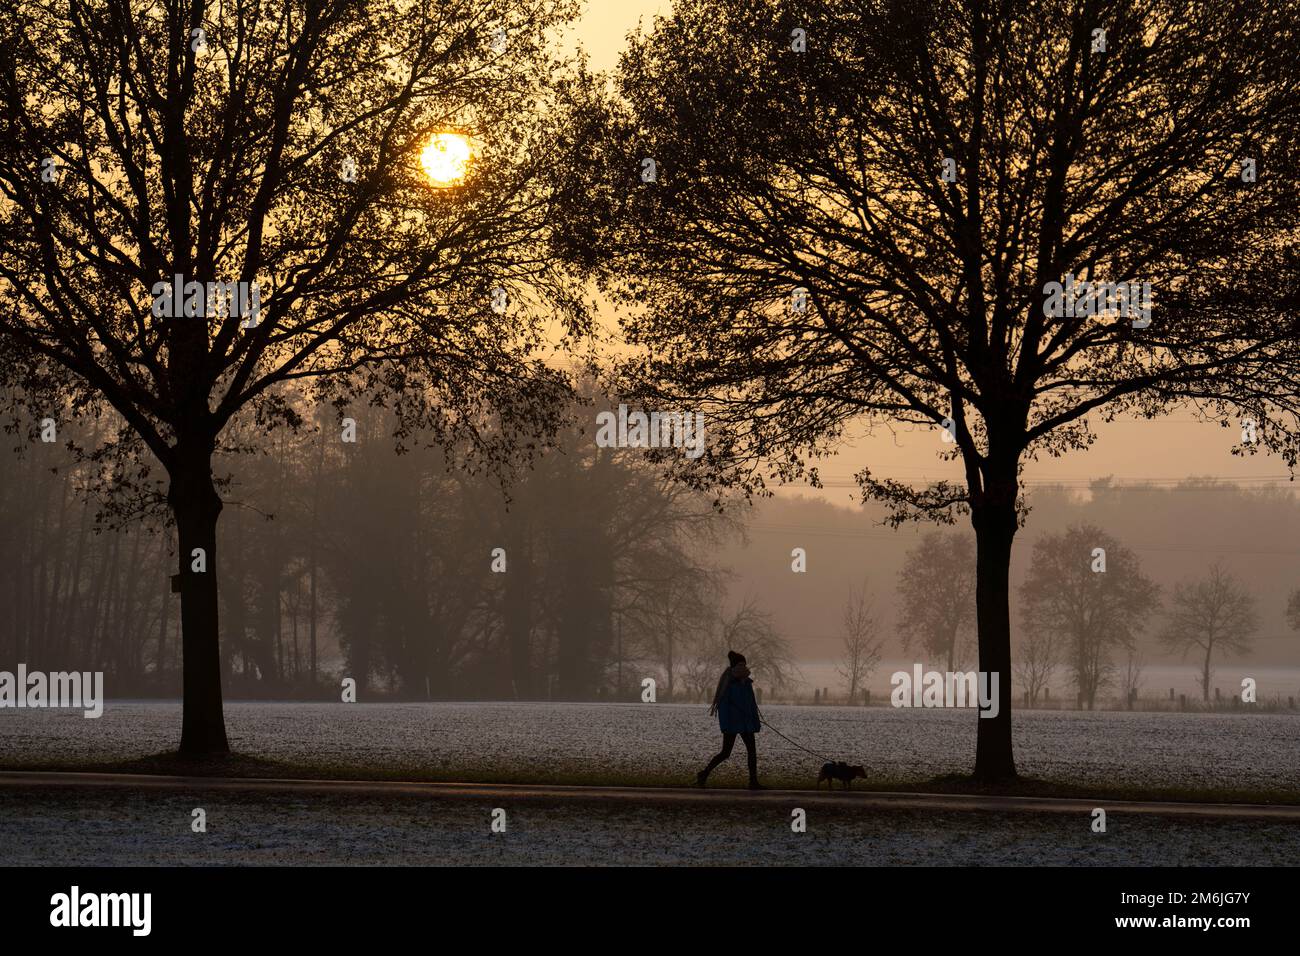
<point x="127" y="639"/>
<point x="74" y="609"/>
<point x="102" y="620"/>
<point x="312" y="613"/>
<point x="50" y="639"/>
<point x="517" y="604"/>
<point x="196" y="505"/>
<point x="671" y="667"/>
<point x="994" y="519"/>
<point x="1205" y="675"/>
<point x="162" y="632"/>
<point x="297" y="600"/>
<point x="315" y="539"/>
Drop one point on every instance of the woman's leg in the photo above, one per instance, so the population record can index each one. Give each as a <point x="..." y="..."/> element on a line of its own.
<point x="751" y="746"/>
<point x="728" y="741"/>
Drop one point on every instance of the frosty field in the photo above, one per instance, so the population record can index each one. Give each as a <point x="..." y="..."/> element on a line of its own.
<point x="630" y="743"/>
<point x="667" y="743"/>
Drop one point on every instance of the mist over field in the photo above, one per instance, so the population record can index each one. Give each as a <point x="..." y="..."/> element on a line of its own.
<point x="380" y="567"/>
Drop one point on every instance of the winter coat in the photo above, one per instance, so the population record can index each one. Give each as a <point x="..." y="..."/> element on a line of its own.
<point x="738" y="710"/>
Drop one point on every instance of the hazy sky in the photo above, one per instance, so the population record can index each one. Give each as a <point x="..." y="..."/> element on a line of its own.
<point x="606" y="23"/>
<point x="1166" y="450"/>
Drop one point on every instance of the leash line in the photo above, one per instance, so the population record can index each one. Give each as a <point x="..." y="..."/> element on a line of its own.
<point x="764" y="722"/>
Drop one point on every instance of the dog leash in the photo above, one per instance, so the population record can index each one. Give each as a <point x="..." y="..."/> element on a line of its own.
<point x="763" y="721"/>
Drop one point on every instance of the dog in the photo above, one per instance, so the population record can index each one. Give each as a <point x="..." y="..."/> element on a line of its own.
<point x="840" y="771"/>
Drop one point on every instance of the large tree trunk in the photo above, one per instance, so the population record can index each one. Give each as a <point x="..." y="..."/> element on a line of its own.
<point x="994" y="519"/>
<point x="196" y="505"/>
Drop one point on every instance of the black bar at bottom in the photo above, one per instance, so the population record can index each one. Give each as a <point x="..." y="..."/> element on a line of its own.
<point x="827" y="908"/>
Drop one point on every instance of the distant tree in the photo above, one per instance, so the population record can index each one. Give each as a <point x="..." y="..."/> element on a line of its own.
<point x="275" y="142"/>
<point x="1092" y="611"/>
<point x="607" y="565"/>
<point x="1038" y="660"/>
<point x="1131" y="677"/>
<point x="406" y="564"/>
<point x="862" y="642"/>
<point x="857" y="211"/>
<point x="1213" y="615"/>
<point x="936" y="588"/>
<point x="672" y="613"/>
<point x="751" y="631"/>
<point x="1293" y="610"/>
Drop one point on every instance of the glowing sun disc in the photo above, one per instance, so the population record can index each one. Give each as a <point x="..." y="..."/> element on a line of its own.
<point x="446" y="158"/>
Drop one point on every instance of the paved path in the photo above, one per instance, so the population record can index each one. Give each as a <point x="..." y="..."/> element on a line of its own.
<point x="652" y="795"/>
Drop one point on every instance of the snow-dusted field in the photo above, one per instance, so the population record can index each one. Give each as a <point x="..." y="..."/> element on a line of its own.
<point x="614" y="742"/>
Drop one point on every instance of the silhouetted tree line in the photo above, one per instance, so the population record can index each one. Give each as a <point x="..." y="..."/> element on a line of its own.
<point x="76" y="596"/>
<point x="1085" y="605"/>
<point x="346" y="559"/>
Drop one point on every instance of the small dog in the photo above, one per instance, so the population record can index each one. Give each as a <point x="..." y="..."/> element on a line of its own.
<point x="840" y="771"/>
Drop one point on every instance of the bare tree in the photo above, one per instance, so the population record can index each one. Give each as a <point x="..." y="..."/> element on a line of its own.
<point x="673" y="612"/>
<point x="1213" y="615"/>
<point x="819" y="214"/>
<point x="862" y="642"/>
<point x="1293" y="610"/>
<point x="273" y="153"/>
<point x="751" y="631"/>
<point x="1037" y="662"/>
<point x="1131" y="677"/>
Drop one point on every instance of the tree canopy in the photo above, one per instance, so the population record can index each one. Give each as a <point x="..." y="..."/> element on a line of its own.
<point x="272" y="149"/>
<point x="869" y="212"/>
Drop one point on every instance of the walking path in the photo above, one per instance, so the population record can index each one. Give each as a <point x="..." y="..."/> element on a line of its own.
<point x="865" y="800"/>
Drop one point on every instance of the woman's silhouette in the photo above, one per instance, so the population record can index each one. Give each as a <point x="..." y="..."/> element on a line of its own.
<point x="737" y="712"/>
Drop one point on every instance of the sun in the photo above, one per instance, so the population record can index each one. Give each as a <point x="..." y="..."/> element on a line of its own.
<point x="446" y="158"/>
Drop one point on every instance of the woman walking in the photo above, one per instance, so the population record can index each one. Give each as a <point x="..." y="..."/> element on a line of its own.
<point x="737" y="712"/>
